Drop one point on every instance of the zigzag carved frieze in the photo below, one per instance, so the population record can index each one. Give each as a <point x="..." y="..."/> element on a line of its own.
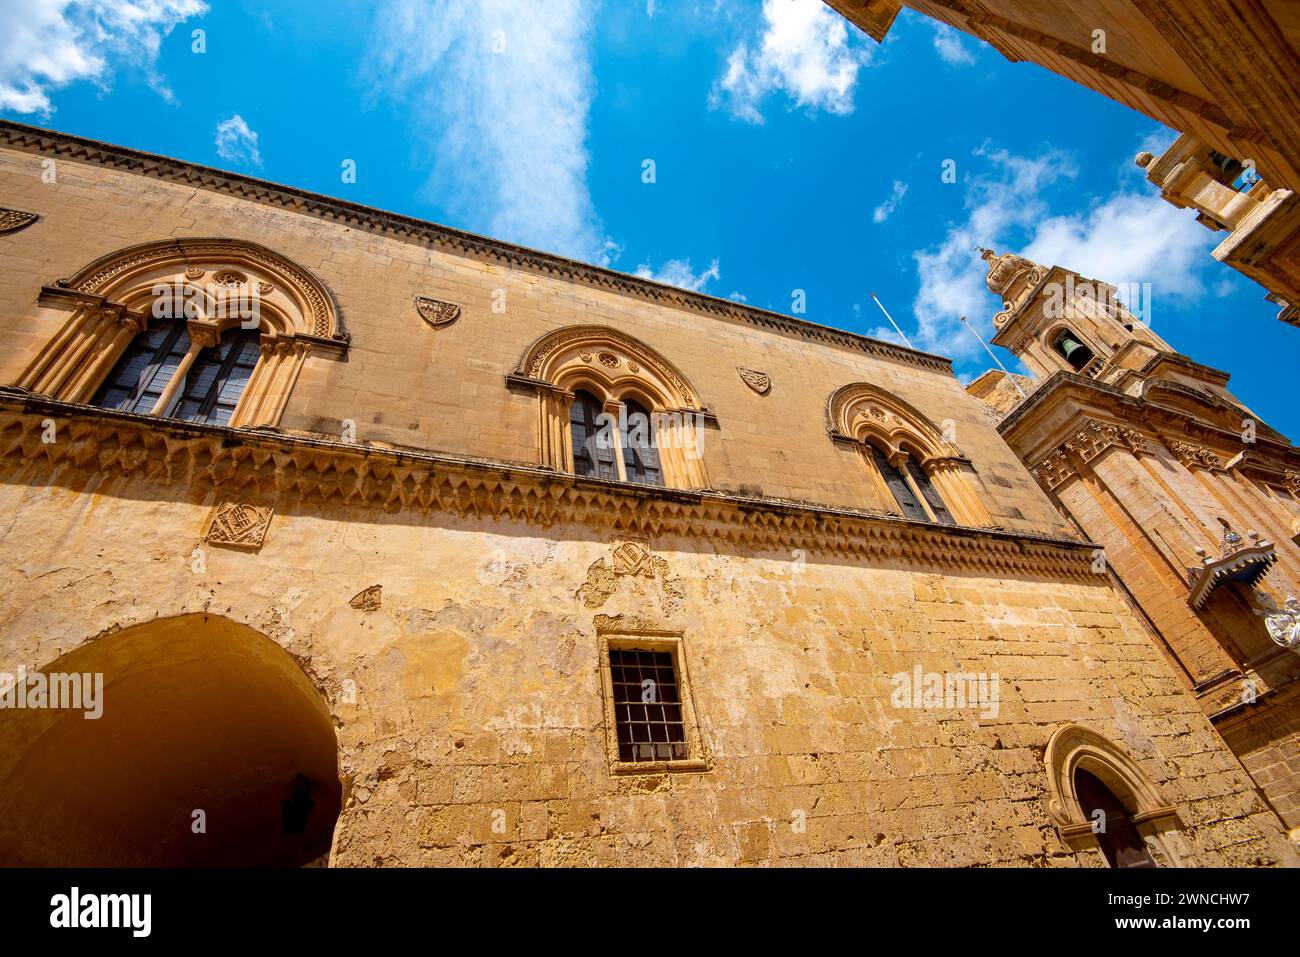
<point x="275" y="469"/>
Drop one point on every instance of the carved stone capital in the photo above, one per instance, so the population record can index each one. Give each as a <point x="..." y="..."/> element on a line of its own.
<point x="1194" y="456"/>
<point x="1053" y="470"/>
<point x="1096" y="437"/>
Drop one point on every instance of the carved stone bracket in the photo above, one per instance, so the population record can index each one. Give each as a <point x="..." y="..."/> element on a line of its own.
<point x="436" y="312"/>
<point x="239" y="525"/>
<point x="12" y="220"/>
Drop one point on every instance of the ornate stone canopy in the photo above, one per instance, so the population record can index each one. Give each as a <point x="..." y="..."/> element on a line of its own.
<point x="1236" y="562"/>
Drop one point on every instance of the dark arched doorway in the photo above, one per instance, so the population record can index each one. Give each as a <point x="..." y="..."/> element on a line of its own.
<point x="1115" y="832"/>
<point x="204" y="721"/>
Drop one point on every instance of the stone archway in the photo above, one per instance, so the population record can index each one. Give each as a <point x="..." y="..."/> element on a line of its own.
<point x="200" y="713"/>
<point x="1082" y="766"/>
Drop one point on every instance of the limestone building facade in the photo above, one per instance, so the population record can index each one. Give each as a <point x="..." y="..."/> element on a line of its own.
<point x="321" y="493"/>
<point x="1195" y="500"/>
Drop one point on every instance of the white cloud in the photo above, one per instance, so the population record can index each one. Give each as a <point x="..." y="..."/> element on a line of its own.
<point x="886" y="209"/>
<point x="677" y="272"/>
<point x="804" y="51"/>
<point x="236" y="143"/>
<point x="650" y="8"/>
<point x="48" y="44"/>
<point x="1130" y="238"/>
<point x="949" y="44"/>
<point x="499" y="93"/>
<point x="1127" y="237"/>
<point x="738" y="297"/>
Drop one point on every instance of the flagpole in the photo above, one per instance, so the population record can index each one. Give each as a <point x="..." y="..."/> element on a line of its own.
<point x="892" y="322"/>
<point x="966" y="323"/>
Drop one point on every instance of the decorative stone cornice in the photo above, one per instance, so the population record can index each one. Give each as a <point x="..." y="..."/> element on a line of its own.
<point x="1270" y="456"/>
<point x="410" y="229"/>
<point x="290" y="473"/>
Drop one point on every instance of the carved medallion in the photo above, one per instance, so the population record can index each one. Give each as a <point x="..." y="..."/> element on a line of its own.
<point x="760" y="382"/>
<point x="239" y="525"/>
<point x="369" y="599"/>
<point x="436" y="312"/>
<point x="12" y="220"/>
<point x="633" y="558"/>
<point x="608" y="360"/>
<point x="194" y="272"/>
<point x="229" y="277"/>
<point x="265" y="289"/>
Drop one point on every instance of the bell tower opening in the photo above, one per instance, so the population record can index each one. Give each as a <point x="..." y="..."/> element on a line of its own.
<point x="1073" y="351"/>
<point x="212" y="749"/>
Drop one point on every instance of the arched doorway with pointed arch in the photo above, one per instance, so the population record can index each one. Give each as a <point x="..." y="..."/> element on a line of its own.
<point x="213" y="749"/>
<point x="1100" y="798"/>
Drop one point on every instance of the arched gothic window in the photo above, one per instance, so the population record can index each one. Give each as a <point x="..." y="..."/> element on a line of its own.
<point x="208" y="389"/>
<point x="640" y="455"/>
<point x="911" y="468"/>
<point x="592" y="455"/>
<point x="592" y="380"/>
<point x="207" y="330"/>
<point x="898" y="486"/>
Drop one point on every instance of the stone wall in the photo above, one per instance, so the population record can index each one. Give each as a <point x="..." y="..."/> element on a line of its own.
<point x="476" y="670"/>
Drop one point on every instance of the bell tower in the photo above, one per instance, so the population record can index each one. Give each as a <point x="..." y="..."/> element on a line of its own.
<point x="1056" y="320"/>
<point x="1193" y="501"/>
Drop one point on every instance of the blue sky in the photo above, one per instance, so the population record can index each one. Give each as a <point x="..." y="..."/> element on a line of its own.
<point x="790" y="151"/>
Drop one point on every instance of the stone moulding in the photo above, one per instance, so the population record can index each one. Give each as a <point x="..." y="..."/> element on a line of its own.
<point x="407" y="228"/>
<point x="292" y="472"/>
